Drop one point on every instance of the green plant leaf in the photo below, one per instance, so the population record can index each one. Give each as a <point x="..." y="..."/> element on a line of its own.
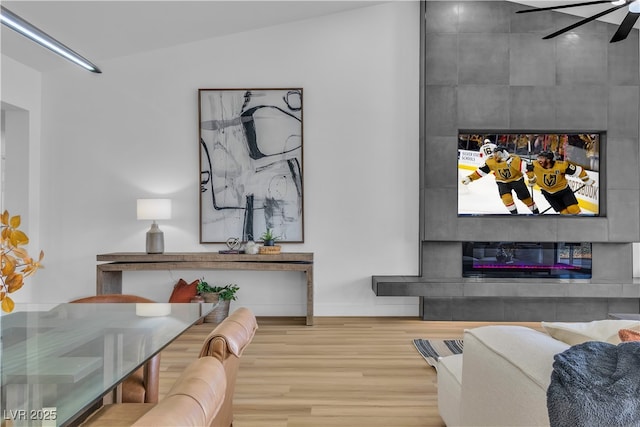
<point x="227" y="292"/>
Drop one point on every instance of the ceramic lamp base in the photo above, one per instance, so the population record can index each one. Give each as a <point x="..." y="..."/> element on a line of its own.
<point x="155" y="240"/>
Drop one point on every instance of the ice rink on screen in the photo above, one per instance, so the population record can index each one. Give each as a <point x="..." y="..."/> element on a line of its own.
<point x="481" y="197"/>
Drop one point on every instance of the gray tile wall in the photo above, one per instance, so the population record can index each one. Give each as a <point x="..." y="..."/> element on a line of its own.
<point x="486" y="67"/>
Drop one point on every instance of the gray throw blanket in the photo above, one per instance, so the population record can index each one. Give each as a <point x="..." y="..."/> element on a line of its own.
<point x="595" y="384"/>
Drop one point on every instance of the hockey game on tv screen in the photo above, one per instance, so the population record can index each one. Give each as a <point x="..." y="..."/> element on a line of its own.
<point x="528" y="174"/>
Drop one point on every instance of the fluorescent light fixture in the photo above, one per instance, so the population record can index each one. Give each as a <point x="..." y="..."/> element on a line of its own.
<point x="18" y="24"/>
<point x="634" y="7"/>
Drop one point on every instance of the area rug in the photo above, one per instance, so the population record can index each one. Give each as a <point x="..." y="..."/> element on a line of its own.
<point x="431" y="350"/>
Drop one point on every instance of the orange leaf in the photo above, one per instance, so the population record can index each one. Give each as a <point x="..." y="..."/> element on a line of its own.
<point x="16" y="264"/>
<point x="31" y="268"/>
<point x="14" y="282"/>
<point x="7" y="304"/>
<point x="8" y="265"/>
<point x="15" y="221"/>
<point x="19" y="238"/>
<point x="21" y="253"/>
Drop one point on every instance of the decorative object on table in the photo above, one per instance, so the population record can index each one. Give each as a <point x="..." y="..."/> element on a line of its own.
<point x="250" y="163"/>
<point x="183" y="291"/>
<point x="154" y="210"/>
<point x="16" y="262"/>
<point x="269" y="250"/>
<point x="234" y="244"/>
<point x="269" y="239"/>
<point x="251" y="248"/>
<point x="212" y="294"/>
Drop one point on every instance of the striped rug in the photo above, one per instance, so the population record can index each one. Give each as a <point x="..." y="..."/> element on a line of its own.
<point x="431" y="350"/>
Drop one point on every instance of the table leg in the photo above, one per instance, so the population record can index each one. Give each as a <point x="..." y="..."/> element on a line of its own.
<point x="309" y="273"/>
<point x="108" y="282"/>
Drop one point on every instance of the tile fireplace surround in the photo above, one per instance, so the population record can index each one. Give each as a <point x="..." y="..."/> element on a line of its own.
<point x="562" y="92"/>
<point x="446" y="295"/>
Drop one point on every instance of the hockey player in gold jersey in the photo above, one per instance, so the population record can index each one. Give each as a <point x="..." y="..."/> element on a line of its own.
<point x="509" y="176"/>
<point x="549" y="174"/>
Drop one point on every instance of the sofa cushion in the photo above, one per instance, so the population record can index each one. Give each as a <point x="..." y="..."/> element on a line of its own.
<point x="511" y="365"/>
<point x="449" y="370"/>
<point x="574" y="333"/>
<point x="628" y="335"/>
<point x="183" y="291"/>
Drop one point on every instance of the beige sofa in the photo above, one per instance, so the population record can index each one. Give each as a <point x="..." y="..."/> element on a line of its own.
<point x="503" y="380"/>
<point x="503" y="376"/>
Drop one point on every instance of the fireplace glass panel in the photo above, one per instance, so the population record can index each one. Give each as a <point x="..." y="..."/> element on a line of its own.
<point x="552" y="260"/>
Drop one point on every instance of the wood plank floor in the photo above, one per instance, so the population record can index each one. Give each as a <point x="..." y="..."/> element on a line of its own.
<point x="343" y="371"/>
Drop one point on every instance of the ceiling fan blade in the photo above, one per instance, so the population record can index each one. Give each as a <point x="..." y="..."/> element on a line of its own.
<point x="625" y="27"/>
<point x="540" y="9"/>
<point x="584" y="21"/>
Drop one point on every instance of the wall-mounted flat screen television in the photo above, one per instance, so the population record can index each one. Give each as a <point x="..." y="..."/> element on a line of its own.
<point x="549" y="173"/>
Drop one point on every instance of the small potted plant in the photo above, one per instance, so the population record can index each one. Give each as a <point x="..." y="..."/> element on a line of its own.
<point x="269" y="240"/>
<point x="223" y="295"/>
<point x="268" y="237"/>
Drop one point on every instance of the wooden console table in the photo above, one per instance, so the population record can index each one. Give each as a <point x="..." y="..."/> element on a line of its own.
<point x="109" y="276"/>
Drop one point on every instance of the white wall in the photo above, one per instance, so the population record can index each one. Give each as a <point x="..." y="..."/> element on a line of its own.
<point x="133" y="132"/>
<point x="21" y="93"/>
<point x="636" y="246"/>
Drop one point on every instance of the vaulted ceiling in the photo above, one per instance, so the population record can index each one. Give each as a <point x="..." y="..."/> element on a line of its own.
<point x="101" y="30"/>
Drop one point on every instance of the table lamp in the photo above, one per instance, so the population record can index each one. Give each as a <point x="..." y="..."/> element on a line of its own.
<point x="154" y="209"/>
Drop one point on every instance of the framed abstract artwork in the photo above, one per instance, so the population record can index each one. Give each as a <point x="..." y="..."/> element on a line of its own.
<point x="250" y="164"/>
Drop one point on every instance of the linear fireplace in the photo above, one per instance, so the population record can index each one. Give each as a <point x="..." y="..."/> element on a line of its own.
<point x="552" y="260"/>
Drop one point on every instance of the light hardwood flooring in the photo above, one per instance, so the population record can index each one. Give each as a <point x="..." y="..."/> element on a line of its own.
<point x="343" y="371"/>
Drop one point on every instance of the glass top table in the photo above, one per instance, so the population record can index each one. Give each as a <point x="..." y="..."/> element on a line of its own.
<point x="56" y="363"/>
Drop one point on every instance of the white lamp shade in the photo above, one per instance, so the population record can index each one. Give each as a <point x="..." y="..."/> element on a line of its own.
<point x="147" y="309"/>
<point x="154" y="209"/>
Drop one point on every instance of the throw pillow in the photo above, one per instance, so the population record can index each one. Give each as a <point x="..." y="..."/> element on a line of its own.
<point x="628" y="335"/>
<point x="574" y="333"/>
<point x="183" y="291"/>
